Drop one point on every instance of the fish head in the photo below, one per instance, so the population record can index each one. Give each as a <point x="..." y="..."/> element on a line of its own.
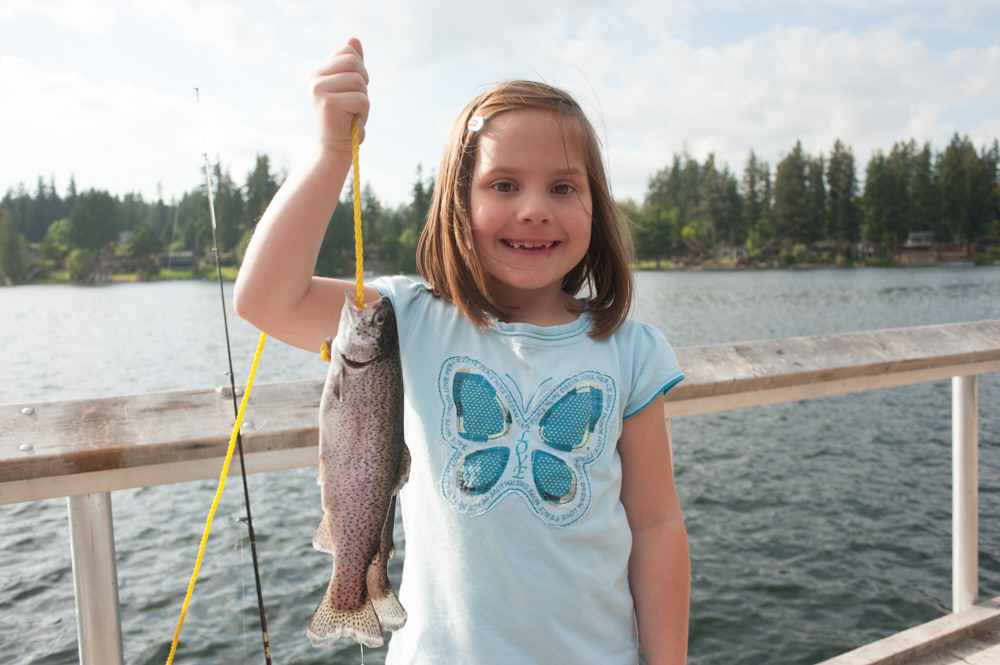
<point x="366" y="334"/>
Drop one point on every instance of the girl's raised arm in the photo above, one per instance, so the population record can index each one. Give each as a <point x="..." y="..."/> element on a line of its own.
<point x="276" y="290"/>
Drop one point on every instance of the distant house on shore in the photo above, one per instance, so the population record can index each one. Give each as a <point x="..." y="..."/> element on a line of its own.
<point x="775" y="247"/>
<point x="920" y="240"/>
<point x="823" y="249"/>
<point x="738" y="253"/>
<point x="177" y="260"/>
<point x="866" y="249"/>
<point x="688" y="250"/>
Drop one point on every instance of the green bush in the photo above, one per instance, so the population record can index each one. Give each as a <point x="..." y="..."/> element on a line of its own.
<point x="81" y="264"/>
<point x="879" y="262"/>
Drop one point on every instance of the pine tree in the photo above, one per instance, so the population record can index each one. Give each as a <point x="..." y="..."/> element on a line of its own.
<point x="791" y="196"/>
<point x="261" y="187"/>
<point x="94" y="220"/>
<point x="845" y="216"/>
<point x="816" y="216"/>
<point x="13" y="264"/>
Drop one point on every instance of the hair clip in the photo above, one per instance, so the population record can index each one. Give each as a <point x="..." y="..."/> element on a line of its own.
<point x="475" y="123"/>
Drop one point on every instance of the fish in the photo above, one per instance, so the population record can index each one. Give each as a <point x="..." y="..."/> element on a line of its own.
<point x="363" y="462"/>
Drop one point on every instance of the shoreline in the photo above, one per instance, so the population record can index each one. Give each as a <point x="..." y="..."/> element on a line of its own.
<point x="711" y="266"/>
<point x="229" y="273"/>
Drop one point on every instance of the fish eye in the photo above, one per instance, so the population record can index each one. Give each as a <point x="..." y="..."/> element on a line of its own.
<point x="379" y="319"/>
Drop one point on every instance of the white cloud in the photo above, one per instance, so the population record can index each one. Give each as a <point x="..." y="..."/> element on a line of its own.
<point x="640" y="71"/>
<point x="976" y="74"/>
<point x="783" y="85"/>
<point x="86" y="16"/>
<point x="224" y="26"/>
<point x="62" y="123"/>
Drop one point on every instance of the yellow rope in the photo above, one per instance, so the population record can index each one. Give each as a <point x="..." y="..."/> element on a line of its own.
<point x="359" y="276"/>
<point x="218" y="495"/>
<point x="358" y="247"/>
<point x="359" y="258"/>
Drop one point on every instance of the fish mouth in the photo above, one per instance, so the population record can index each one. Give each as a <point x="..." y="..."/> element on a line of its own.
<point x="356" y="364"/>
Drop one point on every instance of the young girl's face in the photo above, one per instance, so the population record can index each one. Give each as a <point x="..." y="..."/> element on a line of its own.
<point x="530" y="204"/>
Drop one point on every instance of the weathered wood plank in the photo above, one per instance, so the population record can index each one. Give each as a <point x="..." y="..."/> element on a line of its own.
<point x="81" y="446"/>
<point x="179" y="431"/>
<point x="974" y="651"/>
<point x="980" y="649"/>
<point x="927" y="644"/>
<point x="730" y="376"/>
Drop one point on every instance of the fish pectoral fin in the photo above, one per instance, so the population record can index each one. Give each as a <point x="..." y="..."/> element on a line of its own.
<point x="322" y="538"/>
<point x="336" y="381"/>
<point x="403" y="473"/>
<point x="329" y="623"/>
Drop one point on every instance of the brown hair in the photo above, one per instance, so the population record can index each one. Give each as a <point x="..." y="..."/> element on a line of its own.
<point x="446" y="256"/>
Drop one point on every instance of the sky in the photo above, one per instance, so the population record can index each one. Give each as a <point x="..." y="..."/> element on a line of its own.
<point x="103" y="91"/>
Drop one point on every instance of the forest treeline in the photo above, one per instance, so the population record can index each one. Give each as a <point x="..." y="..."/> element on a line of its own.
<point x="953" y="193"/>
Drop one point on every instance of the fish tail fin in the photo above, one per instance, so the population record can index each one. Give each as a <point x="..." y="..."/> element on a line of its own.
<point x="390" y="611"/>
<point x="322" y="538"/>
<point x="361" y="625"/>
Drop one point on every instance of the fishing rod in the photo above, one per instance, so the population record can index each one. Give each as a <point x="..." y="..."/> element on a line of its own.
<point x="236" y="408"/>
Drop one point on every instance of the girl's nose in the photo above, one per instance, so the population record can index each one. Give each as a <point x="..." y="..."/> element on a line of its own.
<point x="535" y="207"/>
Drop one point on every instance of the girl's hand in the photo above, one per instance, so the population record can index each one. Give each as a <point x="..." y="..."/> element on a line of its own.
<point x="276" y="290"/>
<point x="340" y="92"/>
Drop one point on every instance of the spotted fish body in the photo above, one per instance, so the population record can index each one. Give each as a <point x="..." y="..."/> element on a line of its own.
<point x="362" y="463"/>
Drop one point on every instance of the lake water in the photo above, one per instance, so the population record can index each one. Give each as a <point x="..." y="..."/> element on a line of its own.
<point x="815" y="526"/>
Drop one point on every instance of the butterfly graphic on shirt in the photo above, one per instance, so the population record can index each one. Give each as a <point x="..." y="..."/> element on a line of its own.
<point x="501" y="446"/>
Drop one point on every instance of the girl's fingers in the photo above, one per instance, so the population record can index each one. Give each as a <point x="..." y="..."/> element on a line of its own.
<point x="340" y="92"/>
<point x="348" y="59"/>
<point x="338" y="83"/>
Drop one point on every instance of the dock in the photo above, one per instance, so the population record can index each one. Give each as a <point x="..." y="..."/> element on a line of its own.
<point x="85" y="449"/>
<point x="968" y="637"/>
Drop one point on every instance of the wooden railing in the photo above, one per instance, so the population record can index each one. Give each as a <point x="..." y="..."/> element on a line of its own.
<point x="85" y="449"/>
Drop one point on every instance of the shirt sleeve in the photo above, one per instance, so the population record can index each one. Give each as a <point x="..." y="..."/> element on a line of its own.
<point x="408" y="297"/>
<point x="655" y="367"/>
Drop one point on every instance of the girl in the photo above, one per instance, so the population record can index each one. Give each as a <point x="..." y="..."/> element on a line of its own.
<point x="541" y="520"/>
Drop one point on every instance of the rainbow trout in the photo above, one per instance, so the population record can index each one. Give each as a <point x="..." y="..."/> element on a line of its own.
<point x="362" y="463"/>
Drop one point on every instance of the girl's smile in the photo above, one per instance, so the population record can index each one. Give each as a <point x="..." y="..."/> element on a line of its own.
<point x="531" y="211"/>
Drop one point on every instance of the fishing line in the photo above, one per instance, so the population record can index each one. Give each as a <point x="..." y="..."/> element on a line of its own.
<point x="236" y="440"/>
<point x="215" y="504"/>
<point x="232" y="385"/>
<point x="237" y="521"/>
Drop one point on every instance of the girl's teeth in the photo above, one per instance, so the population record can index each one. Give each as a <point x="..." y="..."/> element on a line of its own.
<point x="530" y="245"/>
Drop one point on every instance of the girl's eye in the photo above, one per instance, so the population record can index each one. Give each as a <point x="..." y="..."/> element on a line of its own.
<point x="564" y="188"/>
<point x="504" y="187"/>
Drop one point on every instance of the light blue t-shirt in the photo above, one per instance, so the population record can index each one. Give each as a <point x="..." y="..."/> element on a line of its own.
<point x="517" y="544"/>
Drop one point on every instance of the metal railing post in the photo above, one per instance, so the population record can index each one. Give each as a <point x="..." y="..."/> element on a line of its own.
<point x="964" y="492"/>
<point x="95" y="579"/>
